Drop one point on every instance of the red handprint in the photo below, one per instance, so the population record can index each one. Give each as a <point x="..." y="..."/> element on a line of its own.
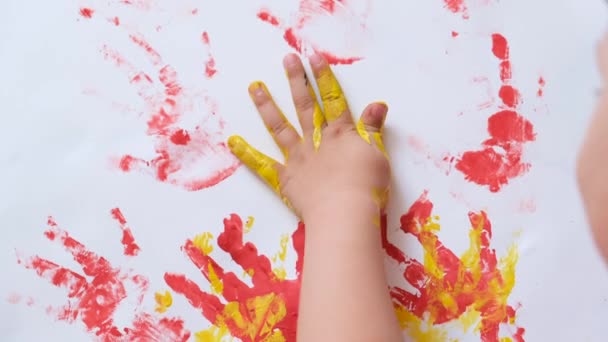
<point x="193" y="158"/>
<point x="473" y="289"/>
<point x="95" y="294"/>
<point x="500" y="158"/>
<point x="267" y="311"/>
<point x="347" y="20"/>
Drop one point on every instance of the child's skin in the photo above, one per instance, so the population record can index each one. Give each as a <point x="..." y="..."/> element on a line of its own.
<point x="336" y="178"/>
<point x="593" y="161"/>
<point x="337" y="185"/>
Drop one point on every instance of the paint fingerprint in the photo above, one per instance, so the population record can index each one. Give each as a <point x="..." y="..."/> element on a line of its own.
<point x="266" y="311"/>
<point x="95" y="293"/>
<point x="500" y="158"/>
<point x="472" y="289"/>
<point x="194" y="157"/>
<point x="347" y="22"/>
<point x="462" y="7"/>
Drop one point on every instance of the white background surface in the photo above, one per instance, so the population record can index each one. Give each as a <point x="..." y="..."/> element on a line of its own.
<point x="57" y="142"/>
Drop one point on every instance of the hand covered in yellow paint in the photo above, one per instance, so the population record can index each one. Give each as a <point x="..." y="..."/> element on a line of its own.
<point x="335" y="162"/>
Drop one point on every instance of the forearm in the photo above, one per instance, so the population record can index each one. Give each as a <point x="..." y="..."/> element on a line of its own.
<point x="344" y="295"/>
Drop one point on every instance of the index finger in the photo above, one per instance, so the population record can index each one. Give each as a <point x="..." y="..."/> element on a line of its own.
<point x="334" y="101"/>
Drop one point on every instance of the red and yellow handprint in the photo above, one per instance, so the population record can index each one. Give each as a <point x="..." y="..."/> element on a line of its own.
<point x="266" y="311"/>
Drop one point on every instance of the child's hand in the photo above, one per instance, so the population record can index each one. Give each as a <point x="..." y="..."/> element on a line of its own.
<point x="336" y="164"/>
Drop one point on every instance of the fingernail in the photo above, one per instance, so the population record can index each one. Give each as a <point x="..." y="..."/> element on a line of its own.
<point x="256" y="88"/>
<point x="380" y="111"/>
<point x="290" y="60"/>
<point x="316" y="59"/>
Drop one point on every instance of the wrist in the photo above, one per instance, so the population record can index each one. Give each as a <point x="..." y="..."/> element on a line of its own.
<point x="343" y="212"/>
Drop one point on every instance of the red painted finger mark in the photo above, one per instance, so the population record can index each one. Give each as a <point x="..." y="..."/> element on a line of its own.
<point x="210" y="69"/>
<point x="275" y="298"/>
<point x="87" y="12"/>
<point x="309" y="10"/>
<point x="501" y="157"/>
<point x="128" y="241"/>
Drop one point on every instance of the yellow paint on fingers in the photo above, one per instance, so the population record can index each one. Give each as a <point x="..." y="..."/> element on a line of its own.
<point x="318" y="119"/>
<point x="363" y="131"/>
<point x="334" y="102"/>
<point x="258" y="162"/>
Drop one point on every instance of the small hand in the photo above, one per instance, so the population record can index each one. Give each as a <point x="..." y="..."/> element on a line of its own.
<point x="335" y="160"/>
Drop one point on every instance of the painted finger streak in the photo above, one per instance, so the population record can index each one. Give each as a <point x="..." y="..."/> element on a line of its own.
<point x="95" y="294"/>
<point x="342" y="15"/>
<point x="267" y="311"/>
<point x="471" y="290"/>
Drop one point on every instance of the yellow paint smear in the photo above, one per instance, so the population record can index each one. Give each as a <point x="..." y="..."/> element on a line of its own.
<point x="259" y="163"/>
<point x="318" y="119"/>
<point x="213" y="334"/>
<point x="471" y="318"/>
<point x="379" y="140"/>
<point x="280" y="273"/>
<point x="381" y="196"/>
<point x="249" y="224"/>
<point x="217" y="286"/>
<point x="203" y="243"/>
<point x="419" y="330"/>
<point x="163" y="301"/>
<point x="363" y="131"/>
<point x="264" y="314"/>
<point x="334" y="102"/>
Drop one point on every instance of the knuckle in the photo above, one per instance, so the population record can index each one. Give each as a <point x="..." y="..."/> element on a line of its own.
<point x="332" y="97"/>
<point x="303" y="102"/>
<point x="279" y="126"/>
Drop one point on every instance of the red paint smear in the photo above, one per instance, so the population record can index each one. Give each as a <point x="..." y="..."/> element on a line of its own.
<point x="308" y="9"/>
<point x="500" y="46"/>
<point x="264" y="15"/>
<point x="541" y="86"/>
<point x="148" y="328"/>
<point x="235" y="290"/>
<point x="508" y="127"/>
<point x="456" y="275"/>
<point x="210" y="69"/>
<point x="195" y="11"/>
<point x="180" y="137"/>
<point x="95" y="294"/>
<point x="332" y="59"/>
<point x="128" y="241"/>
<point x="87" y="12"/>
<point x="500" y="158"/>
<point x="206" y="38"/>
<point x="116" y="21"/>
<point x="454" y="34"/>
<point x="455" y="6"/>
<point x="194" y="159"/>
<point x="509" y="96"/>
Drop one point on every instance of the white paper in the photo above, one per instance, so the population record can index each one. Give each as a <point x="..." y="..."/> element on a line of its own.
<point x="73" y="108"/>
